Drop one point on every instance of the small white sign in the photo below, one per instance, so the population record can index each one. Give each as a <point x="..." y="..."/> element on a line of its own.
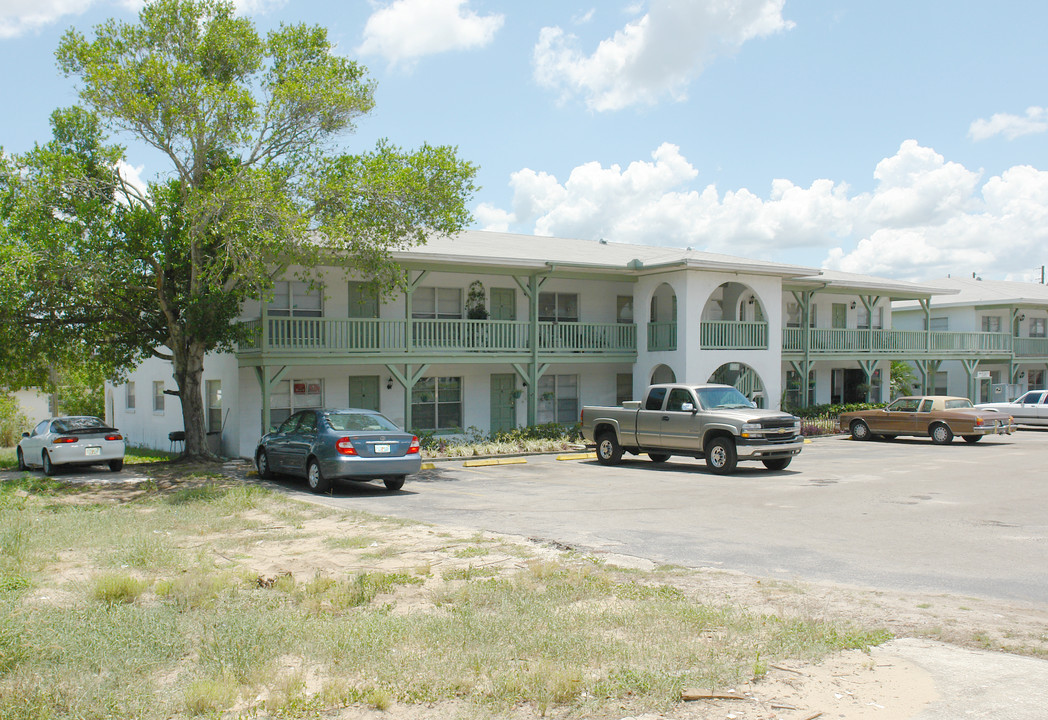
<point x="983" y="374"/>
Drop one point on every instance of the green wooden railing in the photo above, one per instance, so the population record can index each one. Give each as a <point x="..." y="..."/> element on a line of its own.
<point x="1031" y="347"/>
<point x="731" y="335"/>
<point x="452" y="337"/>
<point x="662" y="336"/>
<point x="825" y="341"/>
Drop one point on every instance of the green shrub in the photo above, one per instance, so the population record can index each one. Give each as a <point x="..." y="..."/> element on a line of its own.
<point x="13" y="421"/>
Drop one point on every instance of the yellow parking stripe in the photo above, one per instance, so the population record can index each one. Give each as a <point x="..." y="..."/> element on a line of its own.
<point x="494" y="461"/>
<point x="578" y="456"/>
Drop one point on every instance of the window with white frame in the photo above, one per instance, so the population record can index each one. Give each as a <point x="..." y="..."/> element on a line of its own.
<point x="214" y="406"/>
<point x="436" y="404"/>
<point x="1035" y="379"/>
<point x="793" y="315"/>
<point x="1037" y="327"/>
<point x="623" y="387"/>
<point x="292" y="298"/>
<point x="290" y="396"/>
<point x="991" y="323"/>
<point x="558" y="399"/>
<point x="559" y="307"/>
<point x="941" y="383"/>
<point x="158" y="396"/>
<point x="436" y="303"/>
<point x="129" y="395"/>
<point x="864" y="318"/>
<point x="624" y="308"/>
<point x="939" y="324"/>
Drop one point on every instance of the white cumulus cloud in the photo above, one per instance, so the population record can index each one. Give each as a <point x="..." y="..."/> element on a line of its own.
<point x="406" y="30"/>
<point x="1011" y="126"/>
<point x="18" y="17"/>
<point x="925" y="217"/>
<point x="654" y="56"/>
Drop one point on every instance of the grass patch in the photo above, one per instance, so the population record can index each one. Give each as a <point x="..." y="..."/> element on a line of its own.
<point x="171" y="624"/>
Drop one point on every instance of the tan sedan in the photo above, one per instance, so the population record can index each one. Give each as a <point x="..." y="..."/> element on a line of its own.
<point x="939" y="417"/>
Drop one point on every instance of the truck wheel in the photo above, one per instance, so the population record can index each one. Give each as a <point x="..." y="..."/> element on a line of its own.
<point x="609" y="452"/>
<point x="658" y="457"/>
<point x="777" y="463"/>
<point x="720" y="456"/>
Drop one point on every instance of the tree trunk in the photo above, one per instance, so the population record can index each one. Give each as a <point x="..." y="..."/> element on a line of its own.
<point x="189" y="371"/>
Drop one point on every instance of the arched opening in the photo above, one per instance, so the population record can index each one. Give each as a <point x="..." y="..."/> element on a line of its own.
<point x="733" y="301"/>
<point x="663" y="374"/>
<point x="662" y="319"/>
<point x="733" y="318"/>
<point x="743" y="378"/>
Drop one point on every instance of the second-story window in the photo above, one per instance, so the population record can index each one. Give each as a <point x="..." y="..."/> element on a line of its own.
<point x="558" y="307"/>
<point x="292" y="298"/>
<point x="624" y="308"/>
<point x="864" y="318"/>
<point x="436" y="303"/>
<point x="991" y="323"/>
<point x="1037" y="327"/>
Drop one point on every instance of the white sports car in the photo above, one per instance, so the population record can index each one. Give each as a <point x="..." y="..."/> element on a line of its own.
<point x="77" y="440"/>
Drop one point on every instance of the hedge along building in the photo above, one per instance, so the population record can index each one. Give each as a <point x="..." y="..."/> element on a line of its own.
<point x="498" y="330"/>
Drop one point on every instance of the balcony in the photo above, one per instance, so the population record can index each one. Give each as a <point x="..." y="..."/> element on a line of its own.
<point x="732" y="335"/>
<point x="662" y="336"/>
<point x="392" y="339"/>
<point x="904" y="343"/>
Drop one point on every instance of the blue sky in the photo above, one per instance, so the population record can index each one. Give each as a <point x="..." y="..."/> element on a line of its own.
<point x="897" y="138"/>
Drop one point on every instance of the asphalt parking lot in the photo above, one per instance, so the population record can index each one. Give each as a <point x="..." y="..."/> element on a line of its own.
<point x="963" y="519"/>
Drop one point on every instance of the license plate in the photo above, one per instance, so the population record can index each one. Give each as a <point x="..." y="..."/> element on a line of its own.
<point x="92" y="450"/>
<point x="381" y="449"/>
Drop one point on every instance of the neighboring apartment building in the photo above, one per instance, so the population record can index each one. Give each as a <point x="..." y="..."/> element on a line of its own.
<point x="991" y="337"/>
<point x="570" y="322"/>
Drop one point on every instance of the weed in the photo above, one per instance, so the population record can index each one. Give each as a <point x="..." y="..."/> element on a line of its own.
<point x="209" y="696"/>
<point x="114" y="588"/>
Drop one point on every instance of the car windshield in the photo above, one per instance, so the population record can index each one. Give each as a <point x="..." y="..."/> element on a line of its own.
<point x="725" y="397"/>
<point x="958" y="403"/>
<point x="361" y="421"/>
<point x="77" y="424"/>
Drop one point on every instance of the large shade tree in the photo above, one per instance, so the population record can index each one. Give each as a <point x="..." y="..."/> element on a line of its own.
<point x="255" y="181"/>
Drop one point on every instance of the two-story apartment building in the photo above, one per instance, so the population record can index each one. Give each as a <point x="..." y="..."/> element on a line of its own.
<point x="568" y="323"/>
<point x="989" y="339"/>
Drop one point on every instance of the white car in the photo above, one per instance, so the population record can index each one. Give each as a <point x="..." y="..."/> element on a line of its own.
<point x="76" y="440"/>
<point x="1030" y="408"/>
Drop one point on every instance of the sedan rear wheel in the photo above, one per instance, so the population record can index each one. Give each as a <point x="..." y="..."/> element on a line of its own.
<point x="45" y="461"/>
<point x="860" y="430"/>
<point x="972" y="439"/>
<point x="317" y="482"/>
<point x="21" y="461"/>
<point x="941" y="434"/>
<point x="116" y="465"/>
<point x="394" y="483"/>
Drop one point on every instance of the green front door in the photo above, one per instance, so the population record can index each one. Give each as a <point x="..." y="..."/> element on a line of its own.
<point x="840" y="316"/>
<point x="503" y="304"/>
<point x="503" y="410"/>
<point x="363" y="392"/>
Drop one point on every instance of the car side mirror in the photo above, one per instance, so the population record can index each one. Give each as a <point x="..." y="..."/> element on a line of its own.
<point x="25" y="434"/>
<point x="753" y="404"/>
<point x="687" y="407"/>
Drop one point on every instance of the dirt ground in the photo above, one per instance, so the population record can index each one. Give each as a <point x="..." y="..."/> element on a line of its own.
<point x="851" y="685"/>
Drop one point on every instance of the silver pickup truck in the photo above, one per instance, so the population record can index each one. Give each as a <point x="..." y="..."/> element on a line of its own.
<point x="715" y="422"/>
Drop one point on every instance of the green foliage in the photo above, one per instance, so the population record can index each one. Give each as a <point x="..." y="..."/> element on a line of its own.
<point x="249" y="124"/>
<point x="832" y="410"/>
<point x="903" y="379"/>
<point x="13" y="421"/>
<point x="115" y="588"/>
